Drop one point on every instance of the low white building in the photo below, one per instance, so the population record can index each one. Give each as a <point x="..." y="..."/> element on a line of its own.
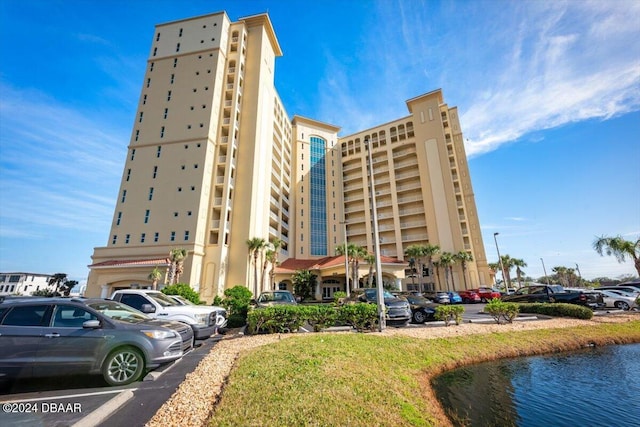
<point x="24" y="283"/>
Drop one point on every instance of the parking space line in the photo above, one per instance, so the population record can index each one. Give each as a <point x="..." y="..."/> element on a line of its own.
<point x="69" y="396"/>
<point x="104" y="411"/>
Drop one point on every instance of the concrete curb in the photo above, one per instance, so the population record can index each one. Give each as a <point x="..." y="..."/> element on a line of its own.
<point x="104" y="411"/>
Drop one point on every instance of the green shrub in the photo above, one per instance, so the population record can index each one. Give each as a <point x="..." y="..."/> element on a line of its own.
<point x="184" y="290"/>
<point x="501" y="311"/>
<point x="557" y="309"/>
<point x="449" y="312"/>
<point x="217" y="301"/>
<point x="44" y="293"/>
<point x="236" y="320"/>
<point x="360" y="315"/>
<point x="280" y="318"/>
<point x="321" y="316"/>
<point x="236" y="300"/>
<point x="338" y="297"/>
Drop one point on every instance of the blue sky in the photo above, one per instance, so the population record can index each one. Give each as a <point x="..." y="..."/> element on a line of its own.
<point x="548" y="92"/>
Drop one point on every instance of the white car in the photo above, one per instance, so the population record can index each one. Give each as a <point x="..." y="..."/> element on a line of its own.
<point x="618" y="299"/>
<point x="221" y="317"/>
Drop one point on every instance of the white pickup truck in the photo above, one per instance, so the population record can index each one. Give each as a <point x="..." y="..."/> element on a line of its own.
<point x="204" y="320"/>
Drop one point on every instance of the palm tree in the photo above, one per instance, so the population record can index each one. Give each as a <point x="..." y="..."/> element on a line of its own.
<point x="495" y="267"/>
<point x="177" y="257"/>
<point x="416" y="252"/>
<point x="412" y="267"/>
<point x="620" y="248"/>
<point x="429" y="251"/>
<point x="155" y="276"/>
<point x="256" y="245"/>
<point x="446" y="261"/>
<point x="370" y="259"/>
<point x="354" y="254"/>
<point x="507" y="263"/>
<point x="519" y="264"/>
<point x="436" y="264"/>
<point x="271" y="255"/>
<point x="359" y="254"/>
<point x="463" y="257"/>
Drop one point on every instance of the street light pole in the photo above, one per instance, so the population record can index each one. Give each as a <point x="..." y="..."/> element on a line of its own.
<point x="545" y="271"/>
<point x="346" y="259"/>
<point x="504" y="276"/>
<point x="382" y="324"/>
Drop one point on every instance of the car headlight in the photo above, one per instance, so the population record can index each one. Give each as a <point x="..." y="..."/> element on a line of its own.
<point x="202" y="318"/>
<point x="159" y="334"/>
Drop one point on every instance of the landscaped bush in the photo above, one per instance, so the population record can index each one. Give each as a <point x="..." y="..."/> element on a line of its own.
<point x="558" y="310"/>
<point x="501" y="311"/>
<point x="321" y="316"/>
<point x="449" y="312"/>
<point x="236" y="300"/>
<point x="361" y="316"/>
<point x="184" y="290"/>
<point x="283" y="318"/>
<point x="338" y="297"/>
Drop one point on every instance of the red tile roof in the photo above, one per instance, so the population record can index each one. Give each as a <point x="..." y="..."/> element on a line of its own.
<point x="293" y="264"/>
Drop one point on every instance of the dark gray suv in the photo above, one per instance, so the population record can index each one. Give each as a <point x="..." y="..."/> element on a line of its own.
<point x="41" y="337"/>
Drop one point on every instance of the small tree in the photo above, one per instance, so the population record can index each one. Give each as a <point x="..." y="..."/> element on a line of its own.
<point x="304" y="282"/>
<point x="619" y="248"/>
<point x="62" y="284"/>
<point x="155" y="276"/>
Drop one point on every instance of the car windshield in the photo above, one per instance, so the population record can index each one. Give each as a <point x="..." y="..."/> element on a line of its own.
<point x="162" y="299"/>
<point x="181" y="300"/>
<point x="276" y="296"/>
<point x="417" y="300"/>
<point x="117" y="311"/>
<point x="372" y="294"/>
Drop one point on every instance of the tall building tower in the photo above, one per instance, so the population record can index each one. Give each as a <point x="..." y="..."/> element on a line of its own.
<point x="423" y="189"/>
<point x="210" y="143"/>
<point x="214" y="161"/>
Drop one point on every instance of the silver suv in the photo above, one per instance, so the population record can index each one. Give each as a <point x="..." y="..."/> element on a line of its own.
<point x="42" y="337"/>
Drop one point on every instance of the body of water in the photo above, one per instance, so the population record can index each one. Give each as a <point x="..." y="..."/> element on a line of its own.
<point x="597" y="386"/>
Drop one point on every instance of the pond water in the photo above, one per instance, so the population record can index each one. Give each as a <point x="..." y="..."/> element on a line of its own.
<point x="597" y="386"/>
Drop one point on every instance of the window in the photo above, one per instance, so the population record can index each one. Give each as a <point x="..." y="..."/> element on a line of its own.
<point x="158" y="37"/>
<point x="140" y="118"/>
<point x="155" y="172"/>
<point x="173" y="236"/>
<point x="71" y="317"/>
<point x="155" y="51"/>
<point x="146" y="216"/>
<point x="166" y="111"/>
<point x="172" y="78"/>
<point x="142" y="237"/>
<point x="159" y="150"/>
<point x="150" y="193"/>
<point x="144" y="99"/>
<point x="175" y="62"/>
<point x="114" y="239"/>
<point x="180" y="33"/>
<point x="148" y="82"/>
<point x="186" y="235"/>
<point x="179" y="189"/>
<point x="156" y="236"/>
<point x="137" y="136"/>
<point x="119" y="218"/>
<point x="124" y="196"/>
<point x="133" y="153"/>
<point x="151" y="67"/>
<point x="128" y="174"/>
<point x="178" y="47"/>
<point x="30" y="315"/>
<point x="162" y="132"/>
<point x="126" y="239"/>
<point x="169" y="96"/>
<point x="175" y="214"/>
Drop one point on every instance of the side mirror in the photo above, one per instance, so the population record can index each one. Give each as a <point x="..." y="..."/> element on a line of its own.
<point x="362" y="298"/>
<point x="298" y="300"/>
<point x="148" y="308"/>
<point x="253" y="302"/>
<point x="91" y="324"/>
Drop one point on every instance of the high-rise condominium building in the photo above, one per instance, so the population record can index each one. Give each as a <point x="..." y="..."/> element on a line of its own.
<point x="214" y="161"/>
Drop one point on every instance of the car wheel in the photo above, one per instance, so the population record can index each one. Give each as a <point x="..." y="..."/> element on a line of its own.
<point x="622" y="305"/>
<point x="123" y="366"/>
<point x="419" y="317"/>
<point x="483" y="300"/>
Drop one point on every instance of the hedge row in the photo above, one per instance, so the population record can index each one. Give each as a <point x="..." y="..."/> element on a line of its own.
<point x="557" y="310"/>
<point x="289" y="318"/>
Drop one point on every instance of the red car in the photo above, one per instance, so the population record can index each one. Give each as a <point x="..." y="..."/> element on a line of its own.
<point x="487" y="294"/>
<point x="469" y="297"/>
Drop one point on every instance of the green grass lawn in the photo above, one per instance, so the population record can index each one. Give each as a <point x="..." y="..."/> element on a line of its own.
<point x="373" y="380"/>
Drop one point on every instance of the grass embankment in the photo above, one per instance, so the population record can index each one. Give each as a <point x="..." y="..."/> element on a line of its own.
<point x="368" y="379"/>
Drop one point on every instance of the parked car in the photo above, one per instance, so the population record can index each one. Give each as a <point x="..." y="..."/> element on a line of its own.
<point x="628" y="289"/>
<point x="204" y="320"/>
<point x="469" y="297"/>
<point x="618" y="299"/>
<point x="398" y="308"/>
<point x="422" y="309"/>
<point x="438" y="296"/>
<point x="487" y="294"/>
<point x="271" y="298"/>
<point x="42" y="337"/>
<point x="555" y="293"/>
<point x="221" y="312"/>
<point x="454" y="297"/>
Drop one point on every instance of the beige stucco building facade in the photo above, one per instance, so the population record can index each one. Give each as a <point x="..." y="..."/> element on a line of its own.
<point x="214" y="160"/>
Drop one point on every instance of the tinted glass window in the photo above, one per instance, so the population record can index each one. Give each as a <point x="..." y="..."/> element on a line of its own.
<point x="26" y="315"/>
<point x="134" y="301"/>
<point x="71" y="317"/>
